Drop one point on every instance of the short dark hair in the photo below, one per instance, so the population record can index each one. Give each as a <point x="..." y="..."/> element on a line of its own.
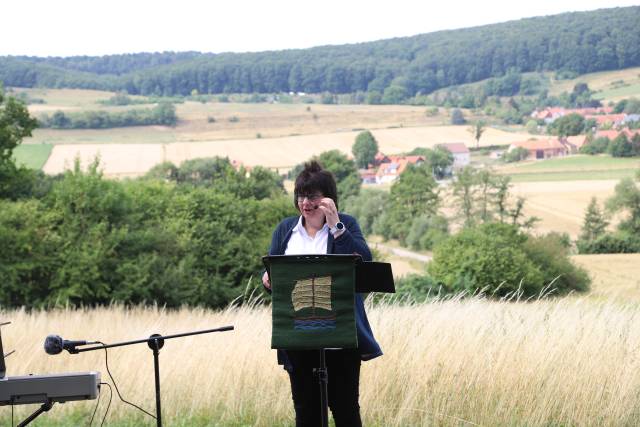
<point x="312" y="178"/>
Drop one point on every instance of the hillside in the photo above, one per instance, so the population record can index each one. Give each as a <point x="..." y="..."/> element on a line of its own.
<point x="579" y="42"/>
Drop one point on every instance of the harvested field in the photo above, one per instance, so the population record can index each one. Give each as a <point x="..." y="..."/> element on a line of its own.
<point x="615" y="276"/>
<point x="561" y="206"/>
<point x="279" y="153"/>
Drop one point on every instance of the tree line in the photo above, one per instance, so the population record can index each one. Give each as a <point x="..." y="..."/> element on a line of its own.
<point x="573" y="43"/>
<point x="162" y="114"/>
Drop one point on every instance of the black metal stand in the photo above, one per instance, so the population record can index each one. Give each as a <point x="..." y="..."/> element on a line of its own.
<point x="323" y="380"/>
<point x="155" y="343"/>
<point x="44" y="408"/>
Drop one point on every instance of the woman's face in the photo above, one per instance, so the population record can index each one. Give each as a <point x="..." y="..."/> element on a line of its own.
<point x="308" y="205"/>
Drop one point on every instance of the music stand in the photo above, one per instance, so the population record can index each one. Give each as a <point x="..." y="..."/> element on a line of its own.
<point x="365" y="277"/>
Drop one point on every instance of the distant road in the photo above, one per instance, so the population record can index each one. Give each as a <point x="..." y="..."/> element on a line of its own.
<point x="405" y="253"/>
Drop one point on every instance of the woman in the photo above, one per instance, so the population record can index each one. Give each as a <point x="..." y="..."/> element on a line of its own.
<point x="320" y="229"/>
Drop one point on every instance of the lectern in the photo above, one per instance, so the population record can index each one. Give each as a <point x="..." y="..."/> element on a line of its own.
<point x="313" y="298"/>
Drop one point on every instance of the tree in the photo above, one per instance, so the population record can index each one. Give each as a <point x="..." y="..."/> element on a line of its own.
<point x="502" y="260"/>
<point x="626" y="199"/>
<point x="15" y="124"/>
<point x="571" y="124"/>
<point x="457" y="118"/>
<point x="620" y="147"/>
<point x="440" y="159"/>
<point x="344" y="170"/>
<point x="414" y="193"/>
<point x="595" y="223"/>
<point x="476" y="130"/>
<point x="365" y="149"/>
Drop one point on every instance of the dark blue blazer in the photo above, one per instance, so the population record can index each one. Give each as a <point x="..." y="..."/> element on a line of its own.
<point x="350" y="242"/>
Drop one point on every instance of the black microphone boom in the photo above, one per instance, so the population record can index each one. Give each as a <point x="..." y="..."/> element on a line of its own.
<point x="54" y="344"/>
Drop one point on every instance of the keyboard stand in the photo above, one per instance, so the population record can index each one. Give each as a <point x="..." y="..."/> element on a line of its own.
<point x="44" y="408"/>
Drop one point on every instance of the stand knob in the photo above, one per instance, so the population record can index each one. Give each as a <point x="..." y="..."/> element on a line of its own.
<point x="155" y="344"/>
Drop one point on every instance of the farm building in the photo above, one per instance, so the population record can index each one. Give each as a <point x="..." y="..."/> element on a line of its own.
<point x="542" y="149"/>
<point x="461" y="155"/>
<point x="391" y="170"/>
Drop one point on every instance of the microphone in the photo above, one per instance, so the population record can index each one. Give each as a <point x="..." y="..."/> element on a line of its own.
<point x="54" y="344"/>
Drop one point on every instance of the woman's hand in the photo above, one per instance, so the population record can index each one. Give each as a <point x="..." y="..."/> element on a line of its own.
<point x="265" y="280"/>
<point x="328" y="207"/>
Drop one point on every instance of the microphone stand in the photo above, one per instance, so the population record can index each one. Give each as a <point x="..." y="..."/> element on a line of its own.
<point x="155" y="343"/>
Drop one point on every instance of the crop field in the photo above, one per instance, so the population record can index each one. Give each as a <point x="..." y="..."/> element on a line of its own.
<point x="561" y="206"/>
<point x="572" y="168"/>
<point x="33" y="156"/>
<point x="567" y="361"/>
<point x="282" y="153"/>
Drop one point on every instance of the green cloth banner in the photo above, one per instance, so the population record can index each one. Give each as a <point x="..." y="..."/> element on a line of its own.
<point x="312" y="301"/>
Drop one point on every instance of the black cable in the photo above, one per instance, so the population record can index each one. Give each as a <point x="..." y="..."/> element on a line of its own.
<point x="108" y="404"/>
<point x="96" y="408"/>
<point x="106" y="362"/>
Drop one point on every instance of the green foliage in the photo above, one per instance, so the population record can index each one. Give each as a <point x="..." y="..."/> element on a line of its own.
<point x="595" y="146"/>
<point x="589" y="42"/>
<point x="92" y="241"/>
<point x="626" y="200"/>
<point x="620" y="147"/>
<point x="162" y="114"/>
<point x="571" y="124"/>
<point x="476" y="130"/>
<point x="414" y="193"/>
<point x="618" y="242"/>
<point x="427" y="231"/>
<point x="367" y="206"/>
<point x="15" y="124"/>
<point x="500" y="260"/>
<point x="416" y="288"/>
<point x="594" y="224"/>
<point x="364" y="149"/>
<point x="344" y="171"/>
<point x="457" y="118"/>
<point x="219" y="173"/>
<point x="516" y="155"/>
<point x="440" y="159"/>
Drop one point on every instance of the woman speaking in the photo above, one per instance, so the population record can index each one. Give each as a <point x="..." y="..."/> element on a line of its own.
<point x="321" y="229"/>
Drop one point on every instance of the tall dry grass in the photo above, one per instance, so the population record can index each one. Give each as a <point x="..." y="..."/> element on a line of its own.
<point x="450" y="362"/>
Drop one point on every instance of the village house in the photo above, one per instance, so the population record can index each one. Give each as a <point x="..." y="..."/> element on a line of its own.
<point x="614" y="120"/>
<point x="461" y="154"/>
<point x="387" y="169"/>
<point x="542" y="149"/>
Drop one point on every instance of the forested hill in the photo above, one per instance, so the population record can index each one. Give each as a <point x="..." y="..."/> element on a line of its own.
<point x="581" y="42"/>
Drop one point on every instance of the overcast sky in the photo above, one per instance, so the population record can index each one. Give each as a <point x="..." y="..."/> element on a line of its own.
<point x="100" y="27"/>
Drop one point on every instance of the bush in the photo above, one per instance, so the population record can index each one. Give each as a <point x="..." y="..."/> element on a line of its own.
<point x="611" y="243"/>
<point x="427" y="231"/>
<point x="515" y="155"/>
<point x="500" y="260"/>
<point x="597" y="146"/>
<point x="457" y="118"/>
<point x="415" y="287"/>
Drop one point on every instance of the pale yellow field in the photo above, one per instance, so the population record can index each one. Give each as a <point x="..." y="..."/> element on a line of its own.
<point x="561" y="205"/>
<point x="615" y="276"/>
<point x="598" y="81"/>
<point x="570" y="361"/>
<point x="278" y="153"/>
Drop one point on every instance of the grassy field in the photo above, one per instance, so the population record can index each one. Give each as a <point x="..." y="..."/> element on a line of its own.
<point x="604" y="83"/>
<point x="33" y="156"/>
<point x="572" y="168"/>
<point x="569" y="361"/>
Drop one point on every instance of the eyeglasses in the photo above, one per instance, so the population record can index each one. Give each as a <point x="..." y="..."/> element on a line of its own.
<point x="310" y="197"/>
